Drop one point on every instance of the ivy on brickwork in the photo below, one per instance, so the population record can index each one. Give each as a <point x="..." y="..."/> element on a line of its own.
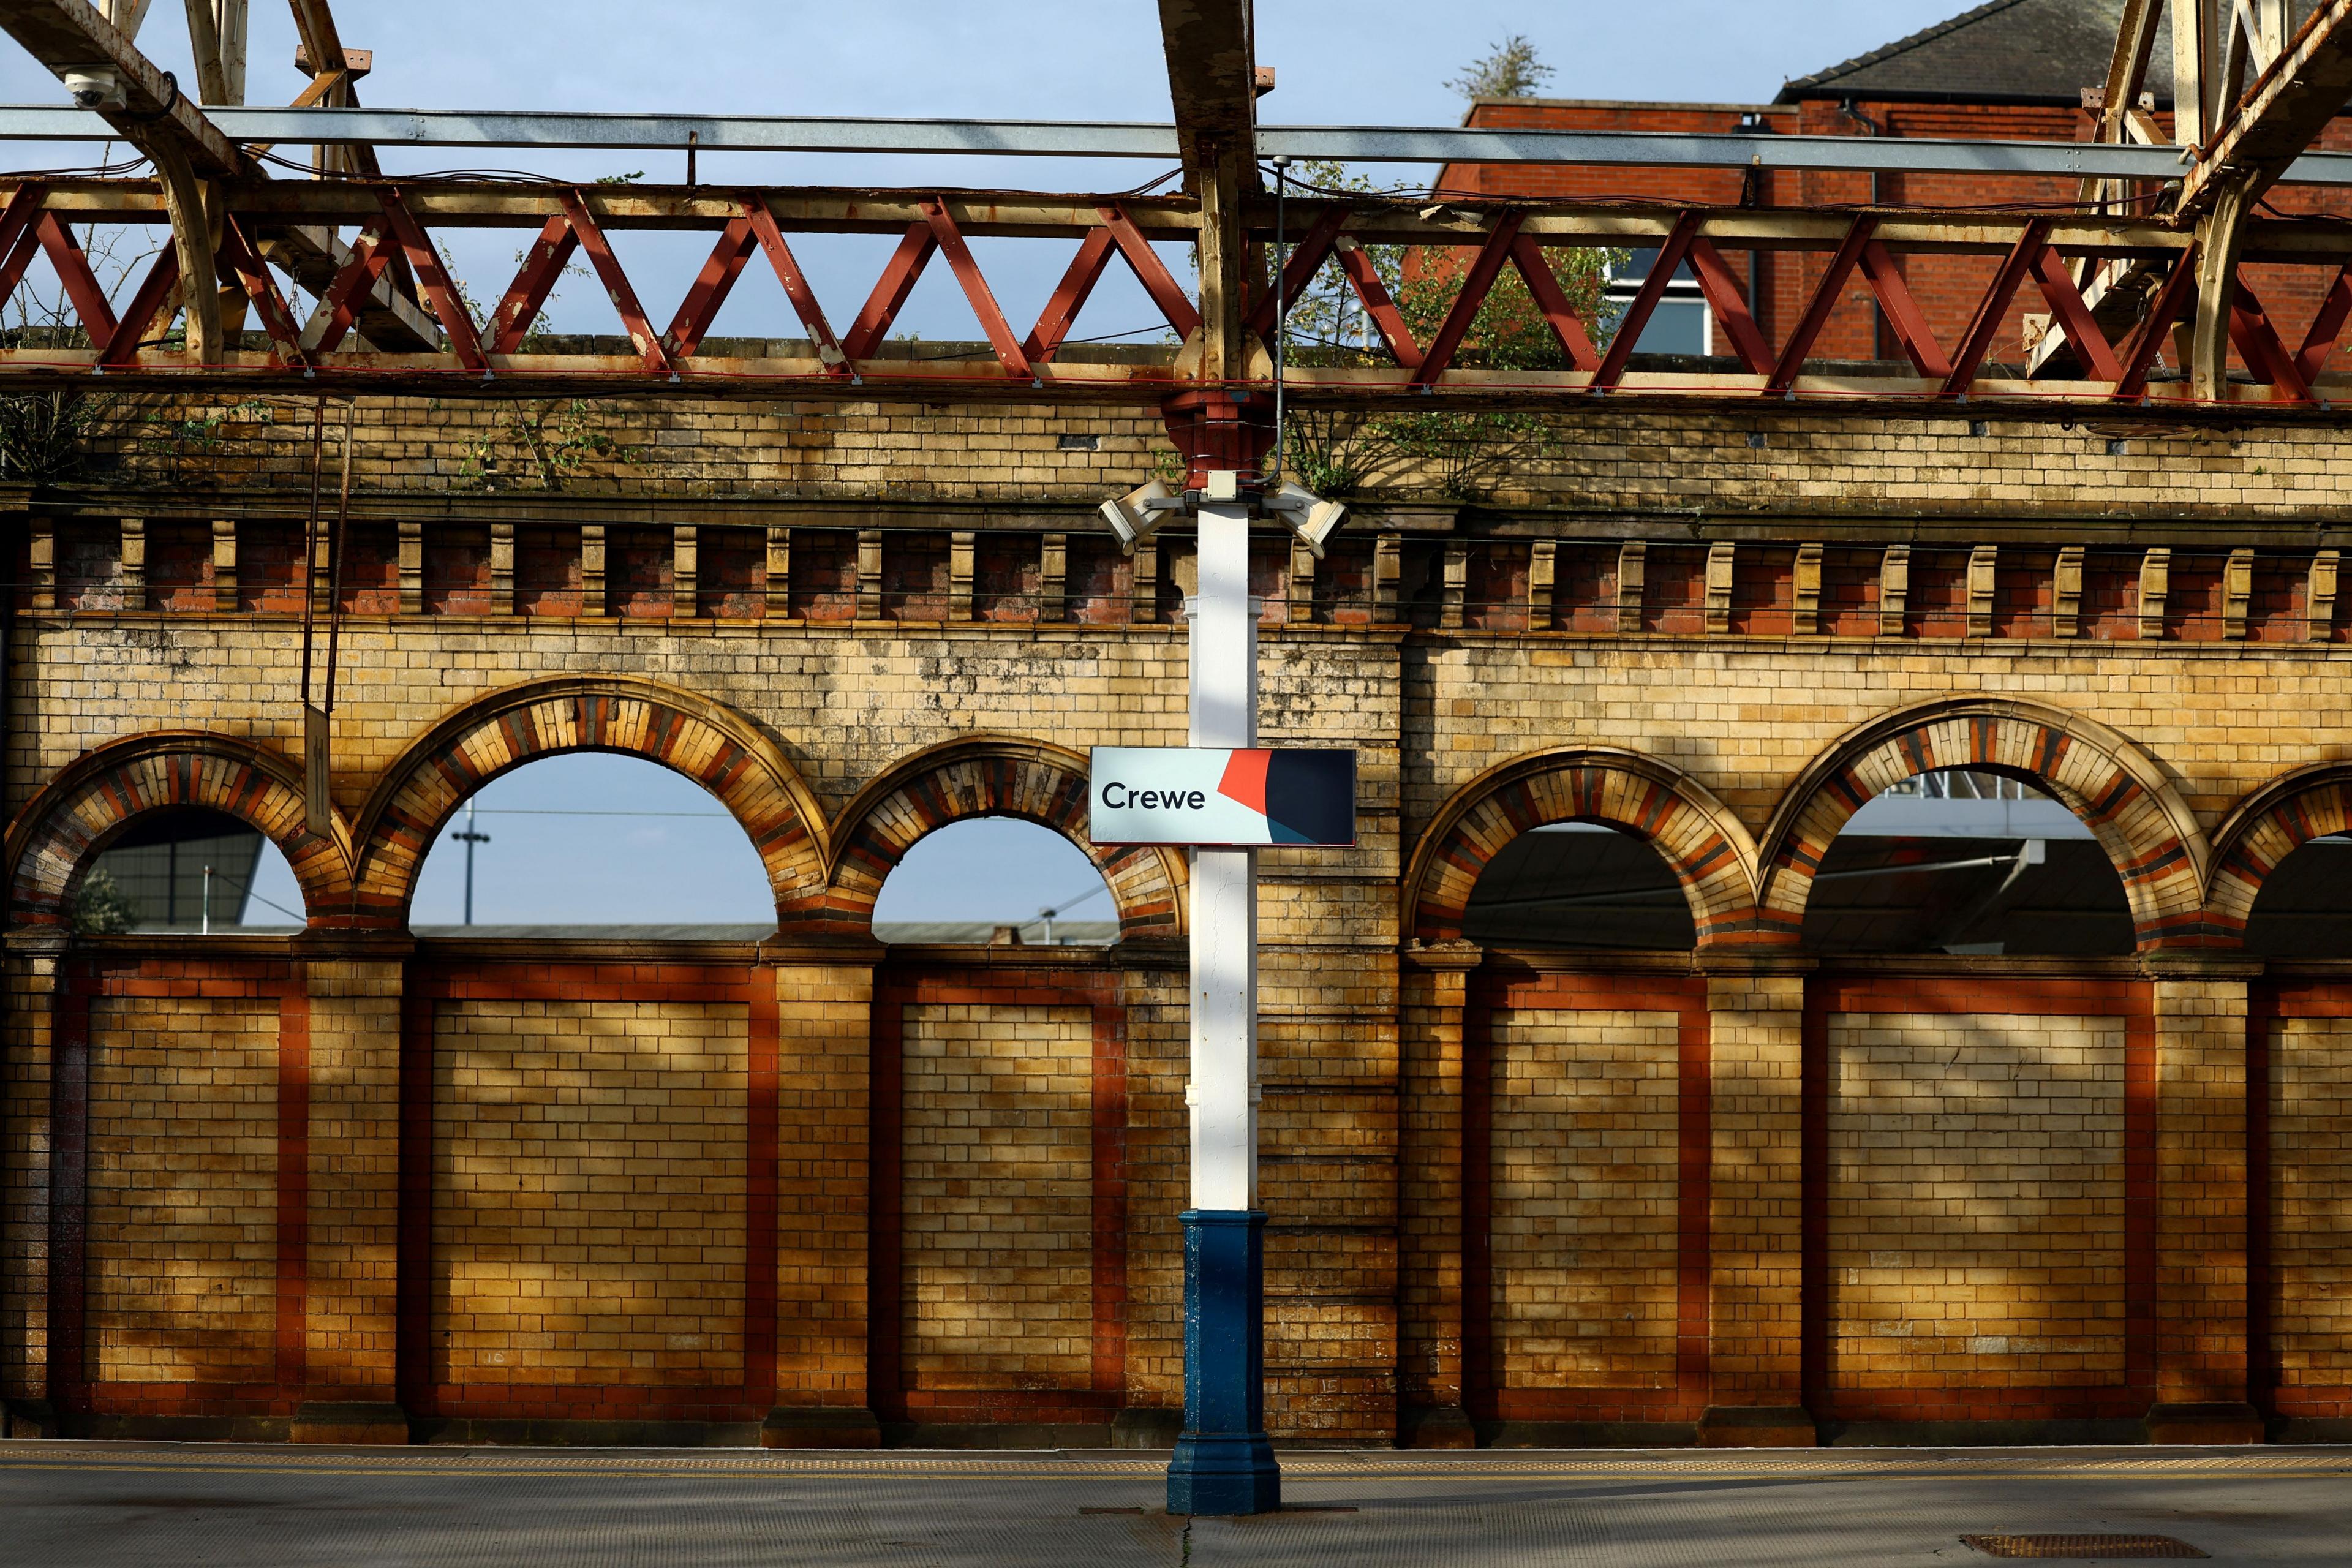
<point x="45" y="435"/>
<point x="562" y="440"/>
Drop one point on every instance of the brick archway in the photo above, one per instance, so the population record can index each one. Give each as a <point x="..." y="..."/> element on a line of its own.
<point x="2118" y="789"/>
<point x="1706" y="846"/>
<point x="709" y="743"/>
<point x="91" y="801"/>
<point x="993" y="776"/>
<point x="2267" y="827"/>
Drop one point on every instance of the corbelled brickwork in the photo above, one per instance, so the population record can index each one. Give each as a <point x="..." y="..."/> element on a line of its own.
<point x="815" y="1191"/>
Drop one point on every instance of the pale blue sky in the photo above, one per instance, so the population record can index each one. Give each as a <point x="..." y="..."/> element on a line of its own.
<point x="1339" y="61"/>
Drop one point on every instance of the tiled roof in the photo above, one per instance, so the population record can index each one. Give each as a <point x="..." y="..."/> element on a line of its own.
<point x="2008" y="51"/>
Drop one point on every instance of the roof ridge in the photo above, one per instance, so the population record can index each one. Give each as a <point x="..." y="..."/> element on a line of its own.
<point x="1903" y="45"/>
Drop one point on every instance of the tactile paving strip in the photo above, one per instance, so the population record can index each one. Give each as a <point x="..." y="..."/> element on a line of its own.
<point x="1368" y="1465"/>
<point x="2082" y="1548"/>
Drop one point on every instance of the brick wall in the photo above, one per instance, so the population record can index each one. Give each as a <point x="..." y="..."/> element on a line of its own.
<point x="182" y="1197"/>
<point x="1976" y="1201"/>
<point x="2310" y="1112"/>
<point x="997" y="1185"/>
<point x="588" y="1218"/>
<point x="1585" y="1165"/>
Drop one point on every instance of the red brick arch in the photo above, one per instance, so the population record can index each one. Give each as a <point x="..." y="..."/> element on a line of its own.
<point x="707" y="742"/>
<point x="2119" y="790"/>
<point x="92" y="800"/>
<point x="993" y="776"/>
<point x="2267" y="827"/>
<point x="1706" y="846"/>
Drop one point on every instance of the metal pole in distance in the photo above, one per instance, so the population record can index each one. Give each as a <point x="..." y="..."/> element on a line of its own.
<point x="1224" y="1463"/>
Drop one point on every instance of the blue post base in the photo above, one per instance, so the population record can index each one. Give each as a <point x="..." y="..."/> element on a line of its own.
<point x="1223" y="1464"/>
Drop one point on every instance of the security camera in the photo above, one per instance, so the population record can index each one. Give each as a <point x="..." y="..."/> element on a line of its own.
<point x="1135" y="515"/>
<point x="1311" y="517"/>
<point x="95" y="87"/>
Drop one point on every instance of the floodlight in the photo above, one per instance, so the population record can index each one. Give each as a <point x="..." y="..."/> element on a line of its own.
<point x="1133" y="516"/>
<point x="1311" y="517"/>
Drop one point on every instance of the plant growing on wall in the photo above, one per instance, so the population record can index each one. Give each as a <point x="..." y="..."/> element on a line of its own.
<point x="1456" y="452"/>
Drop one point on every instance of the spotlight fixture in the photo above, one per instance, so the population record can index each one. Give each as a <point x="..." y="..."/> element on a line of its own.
<point x="1311" y="517"/>
<point x="1134" y="516"/>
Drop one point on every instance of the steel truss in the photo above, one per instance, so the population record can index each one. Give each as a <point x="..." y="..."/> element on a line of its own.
<point x="1472" y="243"/>
<point x="2120" y="292"/>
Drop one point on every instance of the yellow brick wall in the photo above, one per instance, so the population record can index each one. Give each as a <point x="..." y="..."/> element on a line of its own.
<point x="589" y="1192"/>
<point x="350" y="1340"/>
<point x="32" y="980"/>
<point x="1584" y="1150"/>
<point x="2311" y="1200"/>
<point x="997" y="1183"/>
<point x="1754" y="1049"/>
<point x="1976" y="1199"/>
<point x="183" y="1190"/>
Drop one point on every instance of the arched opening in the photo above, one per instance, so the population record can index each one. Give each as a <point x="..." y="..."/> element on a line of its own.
<point x="593" y="843"/>
<point x="2305" y="906"/>
<point x="187" y="871"/>
<point x="1579" y="885"/>
<point x="1968" y="860"/>
<point x="997" y="880"/>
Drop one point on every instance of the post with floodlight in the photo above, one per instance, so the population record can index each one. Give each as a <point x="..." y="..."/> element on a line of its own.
<point x="1224" y="1463"/>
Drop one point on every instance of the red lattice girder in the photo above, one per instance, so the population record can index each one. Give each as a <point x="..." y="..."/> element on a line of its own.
<point x="617" y="286"/>
<point x="1069" y="296"/>
<point x="1825" y="299"/>
<point x="2258" y="344"/>
<point x="1475" y="287"/>
<point x="796" y="288"/>
<point x="1305" y="259"/>
<point x="338" y="312"/>
<point x="239" y="262"/>
<point x="19" y="237"/>
<point x="1903" y="317"/>
<point x="2172" y="298"/>
<point x="2326" y="327"/>
<point x="711" y="287"/>
<point x="433" y="282"/>
<point x="89" y="301"/>
<point x="976" y="291"/>
<point x="1646" y="302"/>
<point x="1552" y="301"/>
<point x="535" y="279"/>
<point x="1977" y="341"/>
<point x="2073" y="317"/>
<point x="890" y="290"/>
<point x="1151" y="272"/>
<point x="1378" y="307"/>
<point x="1728" y="300"/>
<point x="154" y="294"/>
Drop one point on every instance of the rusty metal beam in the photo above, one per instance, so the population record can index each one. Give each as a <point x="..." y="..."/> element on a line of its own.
<point x="68" y="35"/>
<point x="1212" y="64"/>
<point x="190" y="153"/>
<point x="2304" y="88"/>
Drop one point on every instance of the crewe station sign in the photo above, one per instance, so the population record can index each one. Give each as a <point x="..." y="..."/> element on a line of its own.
<point x="1222" y="799"/>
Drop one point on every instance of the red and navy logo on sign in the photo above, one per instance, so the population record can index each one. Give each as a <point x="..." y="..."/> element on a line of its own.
<point x="1306" y="797"/>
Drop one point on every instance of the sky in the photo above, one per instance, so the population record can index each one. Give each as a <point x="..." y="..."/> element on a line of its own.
<point x="1357" y="62"/>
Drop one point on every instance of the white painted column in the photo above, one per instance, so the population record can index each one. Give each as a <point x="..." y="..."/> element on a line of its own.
<point x="1223" y="1091"/>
